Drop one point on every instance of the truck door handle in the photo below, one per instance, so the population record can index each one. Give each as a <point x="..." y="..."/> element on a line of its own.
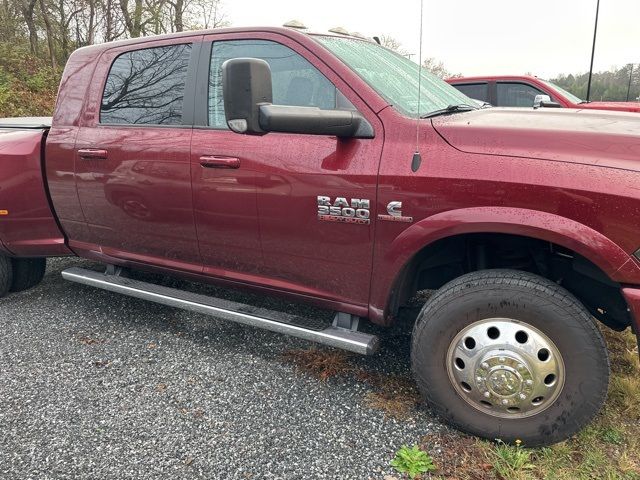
<point x="92" y="154"/>
<point x="214" y="161"/>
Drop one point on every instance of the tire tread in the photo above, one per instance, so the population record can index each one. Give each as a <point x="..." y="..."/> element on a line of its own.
<point x="6" y="275"/>
<point x="27" y="273"/>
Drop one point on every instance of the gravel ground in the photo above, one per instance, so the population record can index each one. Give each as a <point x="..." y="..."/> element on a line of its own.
<point x="95" y="385"/>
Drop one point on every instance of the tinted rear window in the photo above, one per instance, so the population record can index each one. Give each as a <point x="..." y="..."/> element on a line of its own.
<point x="146" y="87"/>
<point x="478" y="91"/>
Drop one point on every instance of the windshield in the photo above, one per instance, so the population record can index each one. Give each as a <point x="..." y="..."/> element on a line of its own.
<point x="569" y="96"/>
<point x="394" y="77"/>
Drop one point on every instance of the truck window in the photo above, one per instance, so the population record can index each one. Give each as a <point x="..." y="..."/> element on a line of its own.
<point x="477" y="91"/>
<point x="516" y="94"/>
<point x="295" y="81"/>
<point x="146" y="87"/>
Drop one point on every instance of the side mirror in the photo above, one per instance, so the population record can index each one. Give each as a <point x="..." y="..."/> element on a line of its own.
<point x="249" y="109"/>
<point x="246" y="85"/>
<point x="545" y="101"/>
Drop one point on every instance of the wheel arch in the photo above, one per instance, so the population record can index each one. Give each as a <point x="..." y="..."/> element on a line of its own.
<point x="606" y="260"/>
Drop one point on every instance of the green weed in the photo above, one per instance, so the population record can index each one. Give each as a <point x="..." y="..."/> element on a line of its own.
<point x="412" y="461"/>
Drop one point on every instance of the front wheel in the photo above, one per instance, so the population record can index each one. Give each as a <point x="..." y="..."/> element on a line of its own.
<point x="509" y="355"/>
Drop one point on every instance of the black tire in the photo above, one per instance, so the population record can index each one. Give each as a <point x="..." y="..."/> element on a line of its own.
<point x="6" y="275"/>
<point x="528" y="300"/>
<point x="27" y="273"/>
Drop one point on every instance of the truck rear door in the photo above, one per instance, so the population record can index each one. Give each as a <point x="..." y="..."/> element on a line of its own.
<point x="274" y="183"/>
<point x="132" y="155"/>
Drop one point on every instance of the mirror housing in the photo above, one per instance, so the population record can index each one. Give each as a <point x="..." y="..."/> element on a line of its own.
<point x="313" y="120"/>
<point x="545" y="101"/>
<point x="249" y="109"/>
<point x="246" y="84"/>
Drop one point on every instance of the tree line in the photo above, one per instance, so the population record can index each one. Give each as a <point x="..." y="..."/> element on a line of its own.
<point x="37" y="37"/>
<point x="52" y="29"/>
<point x="615" y="85"/>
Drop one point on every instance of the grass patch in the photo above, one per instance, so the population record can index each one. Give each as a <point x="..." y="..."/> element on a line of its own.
<point x="512" y="462"/>
<point x="458" y="456"/>
<point x="320" y="363"/>
<point x="397" y="396"/>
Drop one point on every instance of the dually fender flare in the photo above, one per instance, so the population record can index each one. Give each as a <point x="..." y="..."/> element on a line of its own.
<point x="580" y="238"/>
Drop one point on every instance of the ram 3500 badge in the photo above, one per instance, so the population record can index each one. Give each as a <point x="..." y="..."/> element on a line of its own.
<point x="340" y="210"/>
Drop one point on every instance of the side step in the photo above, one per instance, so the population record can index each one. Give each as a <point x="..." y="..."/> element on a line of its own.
<point x="309" y="329"/>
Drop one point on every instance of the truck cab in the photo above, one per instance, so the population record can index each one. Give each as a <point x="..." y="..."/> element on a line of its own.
<point x="522" y="90"/>
<point x="321" y="168"/>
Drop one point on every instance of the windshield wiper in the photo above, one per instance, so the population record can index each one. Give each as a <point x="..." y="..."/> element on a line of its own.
<point x="463" y="107"/>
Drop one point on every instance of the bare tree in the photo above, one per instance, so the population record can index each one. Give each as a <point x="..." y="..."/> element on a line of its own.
<point x="393" y="44"/>
<point x="178" y="14"/>
<point x="431" y="64"/>
<point x="437" y="68"/>
<point x="91" y="27"/>
<point x="132" y="18"/>
<point x="207" y="14"/>
<point x="27" y="9"/>
<point x="49" y="29"/>
<point x="64" y="21"/>
<point x="10" y="24"/>
<point x="52" y="29"/>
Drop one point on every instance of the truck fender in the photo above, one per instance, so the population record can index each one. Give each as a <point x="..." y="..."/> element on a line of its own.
<point x="580" y="238"/>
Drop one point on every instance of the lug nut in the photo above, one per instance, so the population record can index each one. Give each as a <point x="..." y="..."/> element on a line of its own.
<point x="485" y="365"/>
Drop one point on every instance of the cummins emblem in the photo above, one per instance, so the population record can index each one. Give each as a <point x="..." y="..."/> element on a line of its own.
<point x="394" y="210"/>
<point x="341" y="210"/>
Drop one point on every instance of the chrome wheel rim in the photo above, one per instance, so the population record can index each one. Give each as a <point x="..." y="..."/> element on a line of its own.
<point x="505" y="368"/>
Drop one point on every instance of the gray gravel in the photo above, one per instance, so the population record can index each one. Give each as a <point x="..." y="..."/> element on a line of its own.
<point x="96" y="385"/>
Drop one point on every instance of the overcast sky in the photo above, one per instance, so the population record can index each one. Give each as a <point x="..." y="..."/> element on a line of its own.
<point x="475" y="37"/>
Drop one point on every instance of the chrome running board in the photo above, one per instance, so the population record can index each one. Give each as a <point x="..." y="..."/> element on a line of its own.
<point x="279" y="322"/>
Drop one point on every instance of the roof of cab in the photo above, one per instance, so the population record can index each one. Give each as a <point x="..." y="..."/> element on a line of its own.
<point x="287" y="31"/>
<point x="490" y="78"/>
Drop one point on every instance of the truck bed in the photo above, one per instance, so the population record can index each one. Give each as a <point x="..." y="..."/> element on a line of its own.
<point x="36" y="123"/>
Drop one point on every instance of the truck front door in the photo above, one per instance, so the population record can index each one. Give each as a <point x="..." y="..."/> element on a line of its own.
<point x="277" y="182"/>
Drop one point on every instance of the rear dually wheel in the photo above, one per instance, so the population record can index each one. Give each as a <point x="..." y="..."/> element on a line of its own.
<point x="27" y="273"/>
<point x="6" y="275"/>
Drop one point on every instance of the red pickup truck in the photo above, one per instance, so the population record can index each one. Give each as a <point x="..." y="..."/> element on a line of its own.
<point x="522" y="90"/>
<point x="304" y="166"/>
